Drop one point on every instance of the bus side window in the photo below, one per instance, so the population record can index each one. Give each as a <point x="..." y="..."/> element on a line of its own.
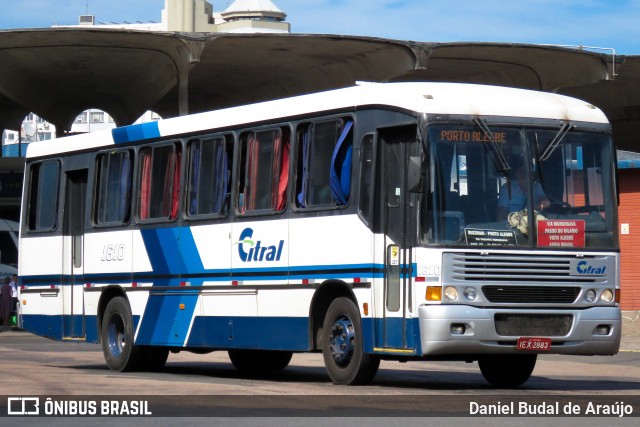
<point x="159" y="182"/>
<point x="265" y="157"/>
<point x="113" y="199"/>
<point x="324" y="164"/>
<point x="42" y="211"/>
<point x="209" y="176"/>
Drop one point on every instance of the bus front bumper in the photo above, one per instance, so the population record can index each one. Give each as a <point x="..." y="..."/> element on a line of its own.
<point x="467" y="330"/>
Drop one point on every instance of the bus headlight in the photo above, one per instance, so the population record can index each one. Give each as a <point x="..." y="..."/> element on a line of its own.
<point x="607" y="296"/>
<point x="590" y="295"/>
<point x="450" y="293"/>
<point x="470" y="294"/>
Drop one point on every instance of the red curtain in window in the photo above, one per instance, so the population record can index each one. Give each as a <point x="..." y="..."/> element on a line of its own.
<point x="284" y="175"/>
<point x="167" y="184"/>
<point x="145" y="185"/>
<point x="176" y="186"/>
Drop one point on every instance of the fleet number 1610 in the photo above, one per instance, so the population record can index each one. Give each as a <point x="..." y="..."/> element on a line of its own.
<point x="113" y="252"/>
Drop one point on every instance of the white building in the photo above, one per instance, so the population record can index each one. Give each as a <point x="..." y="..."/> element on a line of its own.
<point x="35" y="128"/>
<point x="198" y="16"/>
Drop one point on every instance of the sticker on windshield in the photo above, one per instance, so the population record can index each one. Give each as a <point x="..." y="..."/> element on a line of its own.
<point x="479" y="237"/>
<point x="561" y="233"/>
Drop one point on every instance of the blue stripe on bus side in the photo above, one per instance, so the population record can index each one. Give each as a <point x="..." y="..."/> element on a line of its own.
<point x="193" y="268"/>
<point x="155" y="251"/>
<point x="266" y="333"/>
<point x="167" y="317"/>
<point x="172" y="251"/>
<point x="135" y="132"/>
<point x="189" y="252"/>
<point x="52" y="326"/>
<point x="373" y="329"/>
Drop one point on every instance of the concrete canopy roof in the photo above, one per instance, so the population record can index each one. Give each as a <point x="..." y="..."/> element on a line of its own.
<point x="57" y="73"/>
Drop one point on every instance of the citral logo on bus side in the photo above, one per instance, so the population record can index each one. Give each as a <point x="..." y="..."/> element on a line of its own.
<point x="250" y="250"/>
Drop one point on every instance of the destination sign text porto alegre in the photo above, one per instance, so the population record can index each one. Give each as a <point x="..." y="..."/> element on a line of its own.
<point x="469" y="136"/>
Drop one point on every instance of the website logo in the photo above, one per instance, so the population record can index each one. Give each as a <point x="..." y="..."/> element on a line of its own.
<point x="250" y="250"/>
<point x="23" y="406"/>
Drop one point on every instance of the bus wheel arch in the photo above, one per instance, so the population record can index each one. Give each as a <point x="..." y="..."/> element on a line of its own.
<point x="322" y="299"/>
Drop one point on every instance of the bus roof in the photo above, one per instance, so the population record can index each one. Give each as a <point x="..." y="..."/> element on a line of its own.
<point x="440" y="98"/>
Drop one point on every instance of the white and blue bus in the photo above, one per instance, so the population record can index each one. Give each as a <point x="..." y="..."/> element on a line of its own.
<point x="400" y="221"/>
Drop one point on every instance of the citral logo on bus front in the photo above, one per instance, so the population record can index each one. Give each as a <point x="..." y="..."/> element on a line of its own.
<point x="589" y="270"/>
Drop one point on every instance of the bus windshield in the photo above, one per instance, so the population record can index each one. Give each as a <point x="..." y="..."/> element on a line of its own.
<point x="515" y="186"/>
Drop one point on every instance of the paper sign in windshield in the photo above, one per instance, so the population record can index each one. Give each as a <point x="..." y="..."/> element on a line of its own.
<point x="561" y="233"/>
<point x="478" y="237"/>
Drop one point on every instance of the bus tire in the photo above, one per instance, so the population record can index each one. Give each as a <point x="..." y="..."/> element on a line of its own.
<point x="342" y="345"/>
<point x="507" y="371"/>
<point x="153" y="359"/>
<point x="260" y="361"/>
<point x="117" y="337"/>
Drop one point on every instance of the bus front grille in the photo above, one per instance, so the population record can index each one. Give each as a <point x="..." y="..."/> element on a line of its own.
<point x="513" y="269"/>
<point x="536" y="325"/>
<point x="531" y="294"/>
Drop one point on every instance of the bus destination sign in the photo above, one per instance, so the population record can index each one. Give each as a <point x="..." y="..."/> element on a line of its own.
<point x="561" y="233"/>
<point x="451" y="135"/>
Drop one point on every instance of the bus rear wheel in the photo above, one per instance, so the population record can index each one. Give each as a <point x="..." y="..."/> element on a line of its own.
<point x="153" y="359"/>
<point x="260" y="361"/>
<point x="117" y="337"/>
<point x="342" y="346"/>
<point x="507" y="371"/>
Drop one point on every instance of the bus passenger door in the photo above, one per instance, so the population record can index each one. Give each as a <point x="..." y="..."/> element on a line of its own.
<point x="72" y="285"/>
<point x="396" y="148"/>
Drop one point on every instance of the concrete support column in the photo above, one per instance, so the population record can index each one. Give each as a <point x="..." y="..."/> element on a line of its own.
<point x="61" y="129"/>
<point x="194" y="51"/>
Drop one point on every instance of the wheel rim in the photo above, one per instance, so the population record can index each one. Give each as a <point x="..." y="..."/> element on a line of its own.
<point x="341" y="341"/>
<point x="116" y="336"/>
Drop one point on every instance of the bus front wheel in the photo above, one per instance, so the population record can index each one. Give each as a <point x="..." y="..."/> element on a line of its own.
<point x="117" y="337"/>
<point x="342" y="346"/>
<point x="507" y="371"/>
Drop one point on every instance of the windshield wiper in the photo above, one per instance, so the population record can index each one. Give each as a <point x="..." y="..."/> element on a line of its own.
<point x="504" y="165"/>
<point x="555" y="142"/>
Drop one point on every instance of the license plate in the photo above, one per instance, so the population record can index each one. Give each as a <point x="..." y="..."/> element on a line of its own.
<point x="533" y="344"/>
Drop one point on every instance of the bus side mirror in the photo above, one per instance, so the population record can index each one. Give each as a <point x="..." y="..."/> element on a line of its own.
<point x="414" y="174"/>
